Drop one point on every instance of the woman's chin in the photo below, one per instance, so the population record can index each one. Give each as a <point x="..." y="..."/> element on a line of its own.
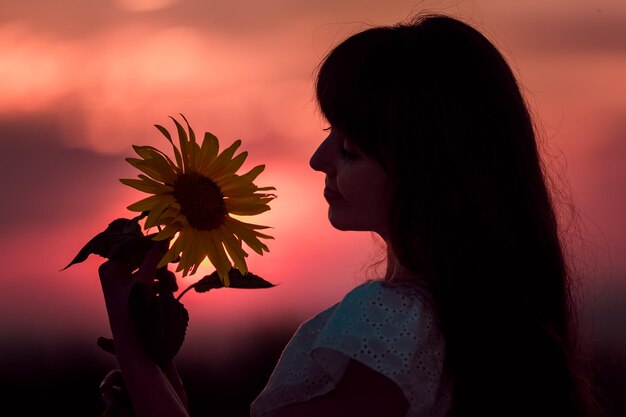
<point x="348" y="222"/>
<point x="339" y="222"/>
<point x="344" y="222"/>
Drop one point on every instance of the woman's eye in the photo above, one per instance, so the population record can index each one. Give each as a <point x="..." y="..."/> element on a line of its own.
<point x="347" y="155"/>
<point x="327" y="129"/>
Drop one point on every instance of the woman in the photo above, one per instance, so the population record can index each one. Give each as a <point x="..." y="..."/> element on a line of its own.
<point x="432" y="147"/>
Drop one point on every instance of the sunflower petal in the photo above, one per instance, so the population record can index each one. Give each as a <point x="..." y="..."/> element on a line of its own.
<point x="250" y="199"/>
<point x="165" y="132"/>
<point x="253" y="173"/>
<point x="172" y="253"/>
<point x="192" y="134"/>
<point x="144" y="186"/>
<point x="234" y="249"/>
<point x="169" y="213"/>
<point x="167" y="232"/>
<point x="248" y="236"/>
<point x="183" y="143"/>
<point x="153" y="182"/>
<point x="246" y="224"/>
<point x="195" y="156"/>
<point x="208" y="249"/>
<point x="235" y="186"/>
<point x="142" y="151"/>
<point x="193" y="253"/>
<point x="155" y="153"/>
<point x="183" y="245"/>
<point x="223" y="263"/>
<point x="208" y="151"/>
<point x="141" y="165"/>
<point x="247" y="209"/>
<point x="165" y="167"/>
<point x="149" y="202"/>
<point x="166" y="259"/>
<point x="179" y="159"/>
<point x="155" y="215"/>
<point x="236" y="163"/>
<point x="217" y="167"/>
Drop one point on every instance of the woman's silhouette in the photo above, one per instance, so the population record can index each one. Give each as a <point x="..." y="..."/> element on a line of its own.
<point x="432" y="147"/>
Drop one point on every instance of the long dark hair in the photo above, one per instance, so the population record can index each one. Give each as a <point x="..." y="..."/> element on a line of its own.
<point x="435" y="102"/>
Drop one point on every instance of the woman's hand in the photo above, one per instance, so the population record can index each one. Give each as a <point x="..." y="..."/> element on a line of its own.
<point x="153" y="390"/>
<point x="114" y="396"/>
<point x="117" y="279"/>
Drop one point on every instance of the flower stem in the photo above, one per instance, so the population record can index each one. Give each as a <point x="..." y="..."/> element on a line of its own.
<point x="185" y="290"/>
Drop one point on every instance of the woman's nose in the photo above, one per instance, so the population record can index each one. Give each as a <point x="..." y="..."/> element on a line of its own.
<point x="320" y="160"/>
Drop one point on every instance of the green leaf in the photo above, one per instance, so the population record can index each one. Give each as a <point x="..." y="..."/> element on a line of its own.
<point x="161" y="323"/>
<point x="237" y="280"/>
<point x="121" y="240"/>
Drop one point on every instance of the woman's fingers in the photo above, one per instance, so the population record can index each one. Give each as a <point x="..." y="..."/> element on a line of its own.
<point x="114" y="395"/>
<point x="112" y="268"/>
<point x="147" y="271"/>
<point x="115" y="277"/>
<point x="112" y="379"/>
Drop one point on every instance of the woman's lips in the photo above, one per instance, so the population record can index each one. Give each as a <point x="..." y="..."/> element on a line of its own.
<point x="331" y="195"/>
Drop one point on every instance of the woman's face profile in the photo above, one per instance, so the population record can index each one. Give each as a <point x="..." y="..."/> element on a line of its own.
<point x="357" y="188"/>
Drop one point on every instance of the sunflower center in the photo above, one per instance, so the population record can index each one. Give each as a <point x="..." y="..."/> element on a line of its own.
<point x="201" y="200"/>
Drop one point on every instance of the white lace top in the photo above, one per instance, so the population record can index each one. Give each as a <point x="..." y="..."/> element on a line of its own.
<point x="392" y="330"/>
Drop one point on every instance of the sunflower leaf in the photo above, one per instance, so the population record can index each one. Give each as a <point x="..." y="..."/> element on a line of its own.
<point x="161" y="323"/>
<point x="237" y="280"/>
<point x="121" y="240"/>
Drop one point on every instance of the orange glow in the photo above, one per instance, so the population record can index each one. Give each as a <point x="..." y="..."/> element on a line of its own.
<point x="145" y="5"/>
<point x="33" y="68"/>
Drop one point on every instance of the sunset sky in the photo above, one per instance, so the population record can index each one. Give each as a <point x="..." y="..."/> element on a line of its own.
<point x="81" y="81"/>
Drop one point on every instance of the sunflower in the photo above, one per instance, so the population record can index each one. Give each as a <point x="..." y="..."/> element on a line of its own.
<point x="193" y="199"/>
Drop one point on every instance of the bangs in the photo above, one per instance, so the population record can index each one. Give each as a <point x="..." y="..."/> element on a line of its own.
<point x="351" y="85"/>
<point x="337" y="85"/>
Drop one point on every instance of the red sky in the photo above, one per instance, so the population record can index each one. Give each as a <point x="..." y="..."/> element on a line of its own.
<point x="82" y="81"/>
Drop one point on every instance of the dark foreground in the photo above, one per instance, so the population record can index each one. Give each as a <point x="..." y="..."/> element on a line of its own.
<point x="39" y="381"/>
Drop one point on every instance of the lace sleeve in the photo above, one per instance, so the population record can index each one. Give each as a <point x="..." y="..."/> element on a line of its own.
<point x="390" y="330"/>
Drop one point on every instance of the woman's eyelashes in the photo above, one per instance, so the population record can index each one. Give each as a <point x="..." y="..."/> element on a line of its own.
<point x="343" y="152"/>
<point x="347" y="155"/>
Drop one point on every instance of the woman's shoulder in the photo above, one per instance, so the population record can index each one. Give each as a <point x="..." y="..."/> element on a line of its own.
<point x="392" y="329"/>
<point x="386" y="328"/>
<point x="390" y="295"/>
<point x="380" y="310"/>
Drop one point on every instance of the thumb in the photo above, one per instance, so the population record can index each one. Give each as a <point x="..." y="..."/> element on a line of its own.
<point x="147" y="271"/>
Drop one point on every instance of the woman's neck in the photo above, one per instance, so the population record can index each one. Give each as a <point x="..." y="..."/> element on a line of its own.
<point x="398" y="272"/>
